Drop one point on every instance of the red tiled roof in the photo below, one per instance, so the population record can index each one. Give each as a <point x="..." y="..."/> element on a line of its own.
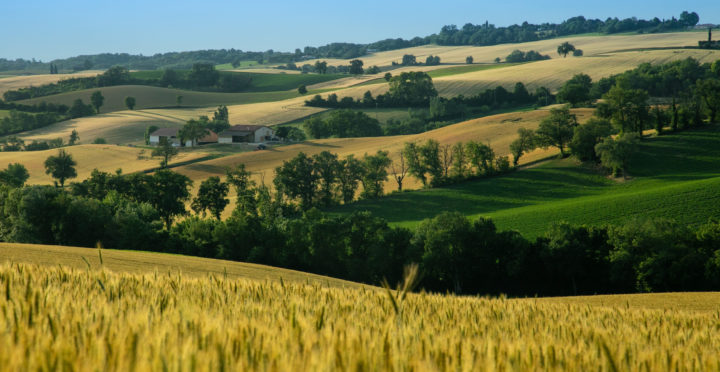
<point x="211" y="137"/>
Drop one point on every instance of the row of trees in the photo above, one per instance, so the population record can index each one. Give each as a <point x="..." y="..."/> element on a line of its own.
<point x="519" y="56"/>
<point x="454" y="254"/>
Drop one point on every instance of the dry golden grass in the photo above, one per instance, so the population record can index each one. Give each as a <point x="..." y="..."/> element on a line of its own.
<point x="555" y="72"/>
<point x="136" y="262"/>
<point x="56" y="318"/>
<point x="591" y="45"/>
<point x="24" y="81"/>
<point x="106" y="158"/>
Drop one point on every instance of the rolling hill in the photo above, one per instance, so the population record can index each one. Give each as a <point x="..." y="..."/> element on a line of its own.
<point x="674" y="176"/>
<point x="24" y="81"/>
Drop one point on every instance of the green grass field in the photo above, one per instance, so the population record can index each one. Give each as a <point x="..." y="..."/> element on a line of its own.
<point x="675" y="176"/>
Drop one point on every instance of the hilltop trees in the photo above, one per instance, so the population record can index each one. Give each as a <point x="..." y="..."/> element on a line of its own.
<point x="61" y="167"/>
<point x="557" y="130"/>
<point x="565" y="48"/>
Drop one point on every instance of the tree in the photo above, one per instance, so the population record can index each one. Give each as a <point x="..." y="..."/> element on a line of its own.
<point x="523" y="144"/>
<point x="408" y="60"/>
<point x="615" y="153"/>
<point x="469" y="60"/>
<point x="167" y="193"/>
<point x="148" y="131"/>
<point x="481" y="156"/>
<point x="74" y="137"/>
<point x="399" y="172"/>
<point x="116" y="75"/>
<point x="576" y="90"/>
<point x="14" y="176"/>
<point x="239" y="178"/>
<point x="302" y="89"/>
<point x="211" y="197"/>
<point x="204" y="75"/>
<point x="179" y="100"/>
<point x="221" y="114"/>
<point x="169" y="78"/>
<point x="577" y="53"/>
<point x="326" y="166"/>
<point x="99" y="141"/>
<point x="80" y="109"/>
<point x="709" y="90"/>
<point x="97" y="100"/>
<point x="166" y="150"/>
<point x="350" y="171"/>
<point x="387" y="76"/>
<point x="565" y="48"/>
<point x="557" y="130"/>
<point x="192" y="131"/>
<point x="356" y="67"/>
<point x="374" y="174"/>
<point x="130" y="102"/>
<point x="627" y="108"/>
<point x="320" y="67"/>
<point x="587" y="136"/>
<point x="61" y="167"/>
<point x="296" y="179"/>
<point x="412" y="88"/>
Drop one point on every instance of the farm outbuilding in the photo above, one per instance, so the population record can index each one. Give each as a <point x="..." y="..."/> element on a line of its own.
<point x="246" y="134"/>
<point x="172" y="135"/>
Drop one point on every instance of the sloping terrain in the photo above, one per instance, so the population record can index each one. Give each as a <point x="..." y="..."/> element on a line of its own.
<point x="24" y="81"/>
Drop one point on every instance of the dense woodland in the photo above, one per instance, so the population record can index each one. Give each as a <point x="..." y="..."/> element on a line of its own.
<point x="469" y="34"/>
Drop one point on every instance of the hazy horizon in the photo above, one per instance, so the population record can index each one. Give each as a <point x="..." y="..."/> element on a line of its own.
<point x="81" y="27"/>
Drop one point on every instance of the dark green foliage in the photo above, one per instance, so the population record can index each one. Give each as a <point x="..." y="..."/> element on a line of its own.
<point x="14" y="176"/>
<point x="204" y="75"/>
<point x="525" y="142"/>
<point x="302" y="89"/>
<point x="297" y="180"/>
<point x="432" y="60"/>
<point x="615" y="154"/>
<point x="469" y="60"/>
<point x="342" y="124"/>
<point x="80" y="109"/>
<point x="356" y="67"/>
<point x="211" y="197"/>
<point x="518" y="56"/>
<point x="130" y="102"/>
<point x="586" y="136"/>
<point x="167" y="192"/>
<point x="408" y="60"/>
<point x="61" y="167"/>
<point x="565" y="48"/>
<point x="576" y="91"/>
<point x="412" y="88"/>
<point x="557" y="130"/>
<point x="116" y="75"/>
<point x="165" y="150"/>
<point x="374" y="174"/>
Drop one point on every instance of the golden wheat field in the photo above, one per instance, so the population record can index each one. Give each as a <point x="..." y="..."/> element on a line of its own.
<point x="24" y="81"/>
<point x="107" y="158"/>
<point x="60" y="318"/>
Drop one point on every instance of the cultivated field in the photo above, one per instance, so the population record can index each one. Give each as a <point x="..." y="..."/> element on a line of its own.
<point x="88" y="157"/>
<point x="591" y="45"/>
<point x="89" y="319"/>
<point x="24" y="81"/>
<point x="674" y="176"/>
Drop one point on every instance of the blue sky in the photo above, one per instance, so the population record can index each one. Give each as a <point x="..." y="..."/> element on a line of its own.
<point x="46" y="30"/>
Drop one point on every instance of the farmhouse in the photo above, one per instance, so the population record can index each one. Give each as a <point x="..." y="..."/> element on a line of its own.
<point x="172" y="135"/>
<point x="246" y="134"/>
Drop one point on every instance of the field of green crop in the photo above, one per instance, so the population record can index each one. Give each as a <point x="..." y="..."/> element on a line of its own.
<point x="675" y="176"/>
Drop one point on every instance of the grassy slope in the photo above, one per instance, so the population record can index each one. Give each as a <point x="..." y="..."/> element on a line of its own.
<point x="261" y="82"/>
<point x="148" y="262"/>
<point x="23" y="81"/>
<point x="674" y="176"/>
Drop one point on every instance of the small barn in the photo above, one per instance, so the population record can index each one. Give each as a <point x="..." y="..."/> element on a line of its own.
<point x="172" y="135"/>
<point x="246" y="134"/>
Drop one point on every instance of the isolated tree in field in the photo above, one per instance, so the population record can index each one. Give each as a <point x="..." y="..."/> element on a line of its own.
<point x="130" y="102"/>
<point x="709" y="90"/>
<point x="409" y="60"/>
<point x="525" y="143"/>
<point x="302" y="89"/>
<point x="61" y="167"/>
<point x="14" y="176"/>
<point x="469" y="60"/>
<point x="296" y="179"/>
<point x="387" y="76"/>
<point x="627" y="109"/>
<point x="587" y="136"/>
<point x="97" y="100"/>
<point x="167" y="193"/>
<point x="565" y="48"/>
<point x="356" y="67"/>
<point x="399" y="171"/>
<point x="326" y="167"/>
<point x="350" y="172"/>
<point x="615" y="153"/>
<point x="212" y="197"/>
<point x="374" y="174"/>
<point x="557" y="130"/>
<point x="74" y="137"/>
<point x="179" y="100"/>
<point x="166" y="150"/>
<point x="192" y="131"/>
<point x="320" y="67"/>
<point x="240" y="180"/>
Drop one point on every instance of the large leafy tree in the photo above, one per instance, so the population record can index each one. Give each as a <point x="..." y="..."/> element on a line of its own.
<point x="212" y="197"/>
<point x="628" y="109"/>
<point x="167" y="192"/>
<point x="297" y="180"/>
<point x="374" y="174"/>
<point x="350" y="172"/>
<point x="576" y="90"/>
<point x="14" y="176"/>
<point x="565" y="48"/>
<point x="193" y="130"/>
<point x="61" y="167"/>
<point x="557" y="130"/>
<point x="615" y="153"/>
<point x="326" y="167"/>
<point x="709" y="90"/>
<point x="412" y="88"/>
<point x="130" y="102"/>
<point x="525" y="142"/>
<point x="204" y="74"/>
<point x="588" y="135"/>
<point x="356" y="67"/>
<point x="239" y="178"/>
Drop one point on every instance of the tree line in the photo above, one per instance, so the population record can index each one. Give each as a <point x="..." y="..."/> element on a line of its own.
<point x="142" y="212"/>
